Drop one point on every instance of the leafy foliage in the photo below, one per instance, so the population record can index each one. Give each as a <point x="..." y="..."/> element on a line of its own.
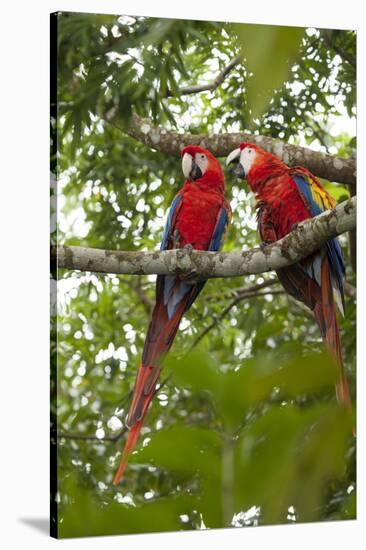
<point x="246" y="430"/>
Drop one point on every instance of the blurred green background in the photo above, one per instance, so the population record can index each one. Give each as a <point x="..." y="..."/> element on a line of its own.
<point x="246" y="429"/>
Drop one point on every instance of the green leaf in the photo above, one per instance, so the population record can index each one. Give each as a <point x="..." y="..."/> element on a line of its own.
<point x="89" y="515"/>
<point x="184" y="450"/>
<point x="269" y="53"/>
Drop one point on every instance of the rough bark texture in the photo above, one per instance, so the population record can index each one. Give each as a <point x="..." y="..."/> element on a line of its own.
<point x="302" y="241"/>
<point x="332" y="168"/>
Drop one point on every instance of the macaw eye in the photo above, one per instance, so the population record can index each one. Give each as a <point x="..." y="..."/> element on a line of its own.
<point x="250" y="150"/>
<point x="202" y="157"/>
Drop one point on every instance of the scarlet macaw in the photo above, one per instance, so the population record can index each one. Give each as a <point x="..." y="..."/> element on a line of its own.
<point x="286" y="196"/>
<point x="198" y="218"/>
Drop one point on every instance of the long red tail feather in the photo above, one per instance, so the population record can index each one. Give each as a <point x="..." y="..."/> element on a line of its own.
<point x="159" y="339"/>
<point x="326" y="316"/>
<point x="130" y="445"/>
<point x="145" y="387"/>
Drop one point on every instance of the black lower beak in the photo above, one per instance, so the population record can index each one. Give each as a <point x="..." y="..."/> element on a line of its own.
<point x="195" y="172"/>
<point x="238" y="171"/>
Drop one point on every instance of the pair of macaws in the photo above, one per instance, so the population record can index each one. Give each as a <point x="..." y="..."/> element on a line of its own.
<point x="198" y="219"/>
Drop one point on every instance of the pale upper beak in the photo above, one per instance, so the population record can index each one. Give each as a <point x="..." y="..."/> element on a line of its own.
<point x="190" y="169"/>
<point x="187" y="162"/>
<point x="234" y="157"/>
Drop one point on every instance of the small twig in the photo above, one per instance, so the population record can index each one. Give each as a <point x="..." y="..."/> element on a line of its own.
<point x="350" y="290"/>
<point x="209" y="86"/>
<point x="245" y="289"/>
<point x="112" y="438"/>
<point x="231" y="293"/>
<point x="300" y="306"/>
<point x="89" y="437"/>
<point x="145" y="300"/>
<point x="242" y="296"/>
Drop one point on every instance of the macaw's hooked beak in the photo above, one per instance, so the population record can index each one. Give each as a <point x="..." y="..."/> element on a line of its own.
<point x="196" y="172"/>
<point x="234" y="159"/>
<point x="191" y="170"/>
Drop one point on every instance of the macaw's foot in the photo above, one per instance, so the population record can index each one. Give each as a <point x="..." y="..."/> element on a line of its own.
<point x="175" y="238"/>
<point x="263" y="245"/>
<point x="191" y="278"/>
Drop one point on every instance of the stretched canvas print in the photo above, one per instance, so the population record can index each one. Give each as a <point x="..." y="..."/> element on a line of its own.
<point x="203" y="274"/>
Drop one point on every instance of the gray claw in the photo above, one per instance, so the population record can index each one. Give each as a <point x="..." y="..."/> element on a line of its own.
<point x="263" y="245"/>
<point x="175" y="238"/>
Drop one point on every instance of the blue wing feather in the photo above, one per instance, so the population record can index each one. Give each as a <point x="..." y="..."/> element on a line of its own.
<point x="305" y="189"/>
<point x="219" y="230"/>
<point x="316" y="206"/>
<point x="168" y="226"/>
<point x="172" y="290"/>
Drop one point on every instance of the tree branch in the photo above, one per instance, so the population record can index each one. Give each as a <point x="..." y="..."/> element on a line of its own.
<point x="307" y="237"/>
<point x="209" y="86"/>
<point x="233" y="292"/>
<point x="342" y="170"/>
<point x="147" y="303"/>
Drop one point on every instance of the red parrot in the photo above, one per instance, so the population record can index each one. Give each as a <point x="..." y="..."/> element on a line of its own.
<point x="198" y="218"/>
<point x="286" y="196"/>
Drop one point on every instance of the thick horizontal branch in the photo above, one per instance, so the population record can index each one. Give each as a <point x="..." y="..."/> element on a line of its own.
<point x="307" y="237"/>
<point x="208" y="86"/>
<point x="325" y="166"/>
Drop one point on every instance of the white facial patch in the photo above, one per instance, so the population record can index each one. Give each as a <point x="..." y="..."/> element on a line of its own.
<point x="202" y="162"/>
<point x="247" y="157"/>
<point x="187" y="164"/>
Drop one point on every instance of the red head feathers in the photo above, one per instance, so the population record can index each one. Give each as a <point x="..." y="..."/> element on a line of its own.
<point x="199" y="165"/>
<point x="255" y="164"/>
